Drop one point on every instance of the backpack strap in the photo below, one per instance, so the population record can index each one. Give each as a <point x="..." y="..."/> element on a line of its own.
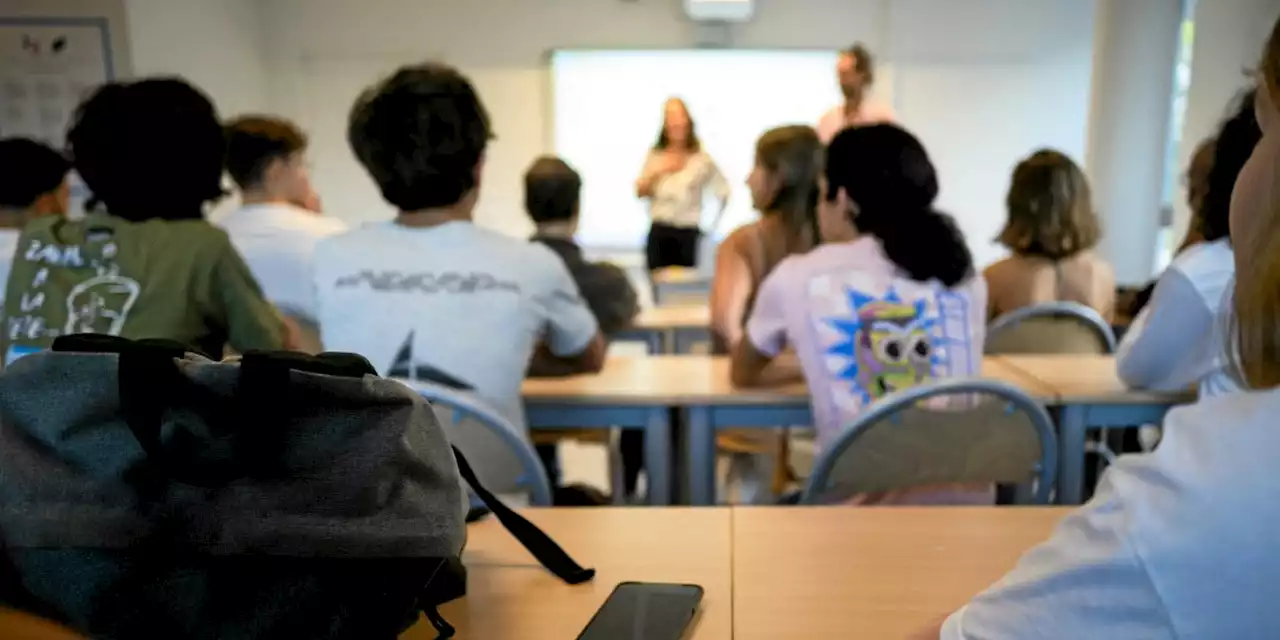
<point x="543" y="548"/>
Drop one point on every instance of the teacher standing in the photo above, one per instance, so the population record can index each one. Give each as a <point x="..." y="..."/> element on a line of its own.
<point x="676" y="177"/>
<point x="856" y="71"/>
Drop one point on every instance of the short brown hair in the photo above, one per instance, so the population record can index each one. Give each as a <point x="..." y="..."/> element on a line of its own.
<point x="866" y="61"/>
<point x="1050" y="208"/>
<point x="253" y="142"/>
<point x="551" y="190"/>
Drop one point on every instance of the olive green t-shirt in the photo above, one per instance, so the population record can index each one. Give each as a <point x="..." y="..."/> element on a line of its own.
<point x="180" y="280"/>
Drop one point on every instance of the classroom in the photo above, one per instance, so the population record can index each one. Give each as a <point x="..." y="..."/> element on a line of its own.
<point x="652" y="319"/>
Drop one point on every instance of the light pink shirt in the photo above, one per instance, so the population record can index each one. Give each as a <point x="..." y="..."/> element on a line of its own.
<point x="870" y="112"/>
<point x="862" y="328"/>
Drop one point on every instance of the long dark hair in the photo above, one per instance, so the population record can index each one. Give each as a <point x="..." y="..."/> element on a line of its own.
<point x="663" y="142"/>
<point x="1237" y="137"/>
<point x="892" y="184"/>
<point x="794" y="155"/>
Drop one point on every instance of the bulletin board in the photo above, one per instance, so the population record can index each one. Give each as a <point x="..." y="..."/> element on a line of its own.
<point x="47" y="65"/>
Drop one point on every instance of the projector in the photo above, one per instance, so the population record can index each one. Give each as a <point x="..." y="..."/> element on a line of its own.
<point x="720" y="10"/>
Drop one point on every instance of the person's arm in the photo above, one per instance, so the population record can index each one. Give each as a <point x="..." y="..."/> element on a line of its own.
<point x="766" y="333"/>
<point x="649" y="175"/>
<point x="992" y="277"/>
<point x="730" y="290"/>
<point x="572" y="335"/>
<point x="720" y="187"/>
<point x="1161" y="350"/>
<point x="251" y="321"/>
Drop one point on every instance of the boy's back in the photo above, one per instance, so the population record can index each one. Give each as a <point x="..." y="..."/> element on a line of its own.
<point x="174" y="279"/>
<point x="461" y="300"/>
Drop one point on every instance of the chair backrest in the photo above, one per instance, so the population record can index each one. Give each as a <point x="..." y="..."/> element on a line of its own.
<point x="941" y="433"/>
<point x="455" y="406"/>
<point x="1053" y="327"/>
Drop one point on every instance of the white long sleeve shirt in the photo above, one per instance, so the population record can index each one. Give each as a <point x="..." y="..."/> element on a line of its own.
<point x="1178" y="340"/>
<point x="678" y="197"/>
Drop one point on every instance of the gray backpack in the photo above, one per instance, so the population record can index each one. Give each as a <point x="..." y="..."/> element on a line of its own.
<point x="146" y="492"/>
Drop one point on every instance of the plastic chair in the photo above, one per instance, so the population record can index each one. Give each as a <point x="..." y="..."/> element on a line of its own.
<point x="1000" y="435"/>
<point x="466" y="405"/>
<point x="1053" y="327"/>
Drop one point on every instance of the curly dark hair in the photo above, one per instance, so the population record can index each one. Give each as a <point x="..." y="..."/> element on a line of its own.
<point x="149" y="149"/>
<point x="28" y="170"/>
<point x="253" y="142"/>
<point x="420" y="134"/>
<point x="1050" y="208"/>
<point x="889" y="178"/>
<point x="1236" y="138"/>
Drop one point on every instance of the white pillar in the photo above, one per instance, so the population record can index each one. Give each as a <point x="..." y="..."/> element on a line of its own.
<point x="1229" y="36"/>
<point x="1135" y="49"/>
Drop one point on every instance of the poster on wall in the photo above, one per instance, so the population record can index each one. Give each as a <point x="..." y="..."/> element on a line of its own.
<point x="47" y="66"/>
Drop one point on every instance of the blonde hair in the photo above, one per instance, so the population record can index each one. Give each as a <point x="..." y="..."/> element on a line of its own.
<point x="1050" y="208"/>
<point x="1253" y="345"/>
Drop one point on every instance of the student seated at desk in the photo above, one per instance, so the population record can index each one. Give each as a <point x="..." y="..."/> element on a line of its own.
<point x="33" y="183"/>
<point x="1052" y="230"/>
<point x="431" y="290"/>
<point x="1176" y="341"/>
<point x="784" y="189"/>
<point x="890" y="301"/>
<point x="272" y="230"/>
<point x="149" y="266"/>
<point x="1177" y="543"/>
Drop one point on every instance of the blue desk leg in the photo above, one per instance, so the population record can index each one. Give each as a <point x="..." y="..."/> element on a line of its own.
<point x="657" y="456"/>
<point x="1071" y="439"/>
<point x="653" y="341"/>
<point x="702" y="457"/>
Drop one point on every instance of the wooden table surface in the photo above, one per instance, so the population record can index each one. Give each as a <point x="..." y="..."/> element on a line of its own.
<point x="676" y="316"/>
<point x="699" y="379"/>
<point x="1084" y="378"/>
<point x="867" y="572"/>
<point x="510" y="596"/>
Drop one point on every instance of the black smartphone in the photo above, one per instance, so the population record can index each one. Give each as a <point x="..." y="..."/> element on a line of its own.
<point x="645" y="611"/>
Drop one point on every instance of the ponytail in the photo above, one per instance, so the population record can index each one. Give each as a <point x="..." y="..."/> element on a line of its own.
<point x="925" y="243"/>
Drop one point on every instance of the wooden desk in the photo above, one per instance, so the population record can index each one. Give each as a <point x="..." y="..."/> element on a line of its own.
<point x="868" y="572"/>
<point x="670" y="329"/>
<point x="638" y="393"/>
<point x="1088" y="394"/>
<point x="510" y="596"/>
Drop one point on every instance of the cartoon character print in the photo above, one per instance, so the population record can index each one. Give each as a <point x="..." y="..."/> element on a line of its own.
<point x="885" y="345"/>
<point x="892" y="347"/>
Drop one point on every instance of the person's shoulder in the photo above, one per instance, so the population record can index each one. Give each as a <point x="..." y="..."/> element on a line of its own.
<point x="1205" y="258"/>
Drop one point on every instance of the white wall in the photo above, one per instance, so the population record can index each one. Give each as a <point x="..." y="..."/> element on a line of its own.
<point x="217" y="44"/>
<point x="1229" y="38"/>
<point x="949" y="57"/>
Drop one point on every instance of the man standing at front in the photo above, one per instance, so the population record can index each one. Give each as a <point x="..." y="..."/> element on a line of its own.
<point x="857" y="72"/>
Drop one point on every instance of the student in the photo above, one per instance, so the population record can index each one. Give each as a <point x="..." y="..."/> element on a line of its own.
<point x="888" y="302"/>
<point x="552" y="195"/>
<point x="676" y="176"/>
<point x="1052" y="230"/>
<point x="273" y="230"/>
<point x="1177" y="543"/>
<point x="784" y="188"/>
<point x="856" y="70"/>
<point x="431" y="295"/>
<point x="33" y="183"/>
<point x="143" y="263"/>
<point x="1176" y="341"/>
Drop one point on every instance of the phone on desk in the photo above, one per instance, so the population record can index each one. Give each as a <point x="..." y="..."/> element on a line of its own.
<point x="645" y="611"/>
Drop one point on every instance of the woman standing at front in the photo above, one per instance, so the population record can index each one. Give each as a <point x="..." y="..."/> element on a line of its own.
<point x="676" y="176"/>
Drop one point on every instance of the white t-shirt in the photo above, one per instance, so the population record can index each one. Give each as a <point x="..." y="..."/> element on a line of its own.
<point x="1177" y="339"/>
<point x="8" y="246"/>
<point x="468" y="302"/>
<point x="1179" y="543"/>
<point x="278" y="242"/>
